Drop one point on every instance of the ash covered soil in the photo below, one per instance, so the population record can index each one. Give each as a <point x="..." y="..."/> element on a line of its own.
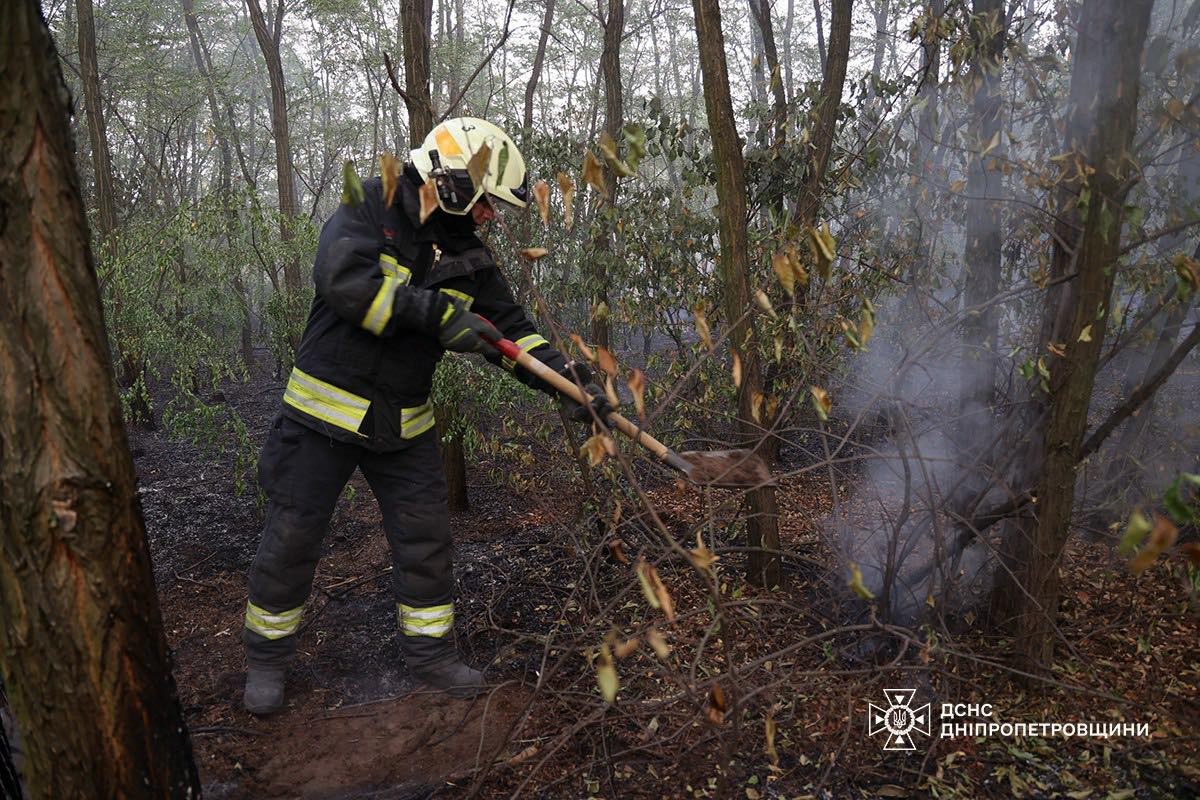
<point x="355" y="723"/>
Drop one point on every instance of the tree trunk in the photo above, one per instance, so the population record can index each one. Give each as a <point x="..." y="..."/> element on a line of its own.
<point x="761" y="9"/>
<point x="416" y="17"/>
<point x="821" y="35"/>
<point x="823" y="125"/>
<point x="106" y="211"/>
<point x="981" y="253"/>
<point x="269" y="35"/>
<point x="610" y="71"/>
<point x="763" y="567"/>
<point x="535" y="73"/>
<point x="82" y="651"/>
<point x="1100" y="129"/>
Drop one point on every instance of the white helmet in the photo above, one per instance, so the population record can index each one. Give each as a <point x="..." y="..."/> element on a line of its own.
<point x="448" y="149"/>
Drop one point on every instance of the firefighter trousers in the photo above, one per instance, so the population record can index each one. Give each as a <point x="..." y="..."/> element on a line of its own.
<point x="303" y="473"/>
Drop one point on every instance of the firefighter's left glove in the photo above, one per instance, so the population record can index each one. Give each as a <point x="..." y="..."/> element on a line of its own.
<point x="464" y="331"/>
<point x="580" y="375"/>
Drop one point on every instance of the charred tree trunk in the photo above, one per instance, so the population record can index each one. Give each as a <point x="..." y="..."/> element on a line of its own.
<point x="82" y="651"/>
<point x="1100" y="128"/>
<point x="981" y="254"/>
<point x="102" y="174"/>
<point x="764" y="568"/>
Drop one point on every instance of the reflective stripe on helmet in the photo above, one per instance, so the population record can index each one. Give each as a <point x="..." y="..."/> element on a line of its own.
<point x="324" y="401"/>
<point x="434" y="621"/>
<point x="272" y="625"/>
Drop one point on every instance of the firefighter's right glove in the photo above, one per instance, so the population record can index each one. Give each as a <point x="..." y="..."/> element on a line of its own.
<point x="464" y="331"/>
<point x="580" y="374"/>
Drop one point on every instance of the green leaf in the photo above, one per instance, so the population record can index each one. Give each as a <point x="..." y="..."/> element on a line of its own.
<point x="352" y="188"/>
<point x="1135" y="532"/>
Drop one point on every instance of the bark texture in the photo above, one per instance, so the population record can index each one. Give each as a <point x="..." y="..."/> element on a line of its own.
<point x="84" y="660"/>
<point x="416" y="16"/>
<point x="610" y="72"/>
<point x="763" y="568"/>
<point x="823" y="124"/>
<point x="102" y="173"/>
<point x="1100" y="128"/>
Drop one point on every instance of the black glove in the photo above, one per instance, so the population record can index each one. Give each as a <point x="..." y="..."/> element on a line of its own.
<point x="464" y="331"/>
<point x="579" y="373"/>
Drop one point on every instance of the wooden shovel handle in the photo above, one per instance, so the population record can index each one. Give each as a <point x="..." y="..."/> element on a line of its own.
<point x="511" y="351"/>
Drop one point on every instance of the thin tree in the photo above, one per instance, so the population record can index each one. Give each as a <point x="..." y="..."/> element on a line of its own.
<point x="610" y="72"/>
<point x="93" y="100"/>
<point x="83" y="656"/>
<point x="763" y="567"/>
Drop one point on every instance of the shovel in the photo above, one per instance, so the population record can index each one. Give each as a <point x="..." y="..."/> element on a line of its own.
<point x="720" y="468"/>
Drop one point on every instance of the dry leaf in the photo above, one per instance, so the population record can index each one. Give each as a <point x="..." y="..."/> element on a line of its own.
<point x="583" y="348"/>
<point x="480" y="164"/>
<point x="772" y="753"/>
<point x="716" y="705"/>
<point x="541" y="193"/>
<point x="737" y="369"/>
<point x="824" y="248"/>
<point x="567" y="187"/>
<point x="656" y="593"/>
<point x="607" y="362"/>
<point x="606" y="674"/>
<point x="625" y="648"/>
<point x="756" y="403"/>
<point x="781" y="263"/>
<point x="429" y="201"/>
<point x="857" y="585"/>
<point x="617" y="548"/>
<point x="610" y="393"/>
<point x="1162" y="536"/>
<point x="764" y="302"/>
<point x="702" y="558"/>
<point x="702" y="326"/>
<point x="593" y="174"/>
<point x="643" y="575"/>
<point x="1085" y="335"/>
<point x="534" y="253"/>
<point x="658" y="643"/>
<point x="822" y="402"/>
<point x="597" y="448"/>
<point x="390" y="172"/>
<point x="637" y="385"/>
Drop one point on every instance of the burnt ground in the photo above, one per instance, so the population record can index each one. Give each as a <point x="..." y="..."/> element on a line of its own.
<point x="529" y="562"/>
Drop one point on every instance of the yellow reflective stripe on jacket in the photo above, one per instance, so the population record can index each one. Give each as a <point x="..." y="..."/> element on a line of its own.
<point x="415" y="421"/>
<point x="270" y="625"/>
<point x="394" y="269"/>
<point x="325" y="401"/>
<point x="434" y="621"/>
<point x="526" y="343"/>
<point x="380" y="312"/>
<point x="456" y="294"/>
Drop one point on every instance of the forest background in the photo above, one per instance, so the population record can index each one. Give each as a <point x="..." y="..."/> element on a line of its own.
<point x="935" y="261"/>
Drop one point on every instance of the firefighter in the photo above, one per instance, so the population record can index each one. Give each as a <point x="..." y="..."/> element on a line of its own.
<point x="392" y="294"/>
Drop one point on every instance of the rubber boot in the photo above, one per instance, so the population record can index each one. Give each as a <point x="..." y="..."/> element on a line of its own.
<point x="436" y="663"/>
<point x="264" y="691"/>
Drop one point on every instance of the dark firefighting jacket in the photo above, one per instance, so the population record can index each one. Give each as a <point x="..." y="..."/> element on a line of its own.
<point x="365" y="365"/>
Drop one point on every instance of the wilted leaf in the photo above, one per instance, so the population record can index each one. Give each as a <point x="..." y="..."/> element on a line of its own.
<point x="756" y="403"/>
<point x="764" y="302"/>
<point x="778" y="348"/>
<point x="610" y="392"/>
<point x="600" y="311"/>
<point x="822" y="402"/>
<point x="824" y="248"/>
<point x="1188" y="270"/>
<point x="1135" y="533"/>
<point x="389" y="170"/>
<point x="625" y="648"/>
<point x="866" y="328"/>
<point x="772" y="753"/>
<point x="635" y="143"/>
<point x="617" y="548"/>
<point x="606" y="674"/>
<point x="702" y="558"/>
<point x="643" y="575"/>
<point x="608" y="148"/>
<point x="781" y="263"/>
<point x="857" y="585"/>
<point x="702" y="326"/>
<point x="598" y="447"/>
<point x="584" y="350"/>
<point x="567" y="187"/>
<point x="1162" y="536"/>
<point x="652" y="587"/>
<point x="716" y="705"/>
<point x="479" y="164"/>
<point x="637" y="385"/>
<point x="659" y="644"/>
<point x="737" y="369"/>
<point x="541" y="193"/>
<point x="1085" y="335"/>
<point x="352" y="188"/>
<point x="606" y="360"/>
<point x="534" y="253"/>
<point x="593" y="173"/>
<point x="429" y="202"/>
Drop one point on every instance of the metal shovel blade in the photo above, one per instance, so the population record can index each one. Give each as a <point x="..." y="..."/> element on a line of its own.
<point x="735" y="469"/>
